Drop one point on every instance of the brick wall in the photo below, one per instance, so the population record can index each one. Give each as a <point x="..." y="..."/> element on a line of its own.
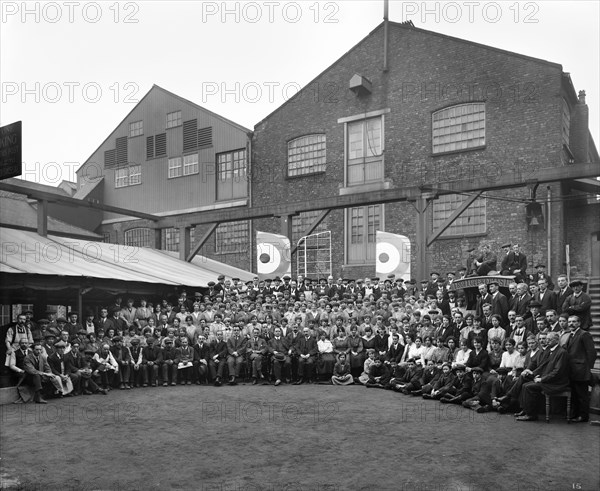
<point x="427" y="72"/>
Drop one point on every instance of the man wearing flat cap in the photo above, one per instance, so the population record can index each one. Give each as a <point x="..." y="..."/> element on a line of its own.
<point x="579" y="303"/>
<point x="59" y="368"/>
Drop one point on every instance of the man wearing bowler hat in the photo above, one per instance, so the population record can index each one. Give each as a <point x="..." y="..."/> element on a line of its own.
<point x="579" y="304"/>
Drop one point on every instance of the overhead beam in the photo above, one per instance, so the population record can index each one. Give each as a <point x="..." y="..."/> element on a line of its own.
<point x="512" y="179"/>
<point x="450" y="220"/>
<point x="67" y="200"/>
<point x="201" y="242"/>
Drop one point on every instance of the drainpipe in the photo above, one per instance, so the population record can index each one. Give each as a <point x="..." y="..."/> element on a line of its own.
<point x="549" y="228"/>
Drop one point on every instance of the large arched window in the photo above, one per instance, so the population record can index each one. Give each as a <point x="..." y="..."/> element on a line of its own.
<point x="457" y="128"/>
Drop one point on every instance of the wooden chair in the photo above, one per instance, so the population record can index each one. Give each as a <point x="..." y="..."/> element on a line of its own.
<point x="567" y="394"/>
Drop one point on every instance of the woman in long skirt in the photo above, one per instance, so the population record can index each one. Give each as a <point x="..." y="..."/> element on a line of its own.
<point x="326" y="357"/>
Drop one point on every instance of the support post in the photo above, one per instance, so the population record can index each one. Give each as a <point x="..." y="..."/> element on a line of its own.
<point x="184" y="242"/>
<point x="42" y="217"/>
<point x="422" y="258"/>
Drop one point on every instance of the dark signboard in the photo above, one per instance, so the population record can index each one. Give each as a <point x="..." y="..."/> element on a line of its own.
<point x="10" y="150"/>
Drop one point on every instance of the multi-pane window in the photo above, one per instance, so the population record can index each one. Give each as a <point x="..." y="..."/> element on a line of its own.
<point x="175" y="167"/>
<point x="135" y="175"/>
<point x="128" y="176"/>
<point x="301" y="222"/>
<point x="5" y="317"/>
<point x="458" y="128"/>
<point x="122" y="177"/>
<point x="307" y="155"/>
<point x="231" y="175"/>
<point x="183" y="166"/>
<point x="173" y="119"/>
<point x="362" y="225"/>
<point x="232" y="237"/>
<point x="471" y="221"/>
<point x="169" y="239"/>
<point x="566" y="122"/>
<point x="365" y="151"/>
<point x="136" y="129"/>
<point x="138" y="237"/>
<point x="106" y="237"/>
<point x="190" y="164"/>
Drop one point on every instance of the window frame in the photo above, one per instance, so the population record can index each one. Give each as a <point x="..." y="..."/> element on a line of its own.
<point x="240" y="241"/>
<point x="141" y="234"/>
<point x="178" y="121"/>
<point x="451" y="232"/>
<point x="236" y="171"/>
<point x="439" y="112"/>
<point x="368" y="233"/>
<point x="366" y="161"/>
<point x="195" y="165"/>
<point x="139" y="131"/>
<point x="171" y="168"/>
<point x="131" y="171"/>
<point x="312" y="168"/>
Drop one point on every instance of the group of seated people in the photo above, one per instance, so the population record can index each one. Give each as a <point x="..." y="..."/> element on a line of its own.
<point x="380" y="334"/>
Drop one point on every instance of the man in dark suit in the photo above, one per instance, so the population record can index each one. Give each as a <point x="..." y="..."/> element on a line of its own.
<point x="579" y="304"/>
<point x="506" y="249"/>
<point x="151" y="361"/>
<point x="236" y="349"/>
<point x="39" y="373"/>
<point x="102" y="322"/>
<point x="534" y="314"/>
<point x="523" y="298"/>
<point x="582" y="355"/>
<point x="499" y="301"/>
<point x="218" y="359"/>
<point x="201" y="360"/>
<point x="395" y="351"/>
<point x="280" y="351"/>
<point x="56" y="362"/>
<point x="546" y="297"/>
<point x="483" y="298"/>
<point x="306" y="348"/>
<point x="513" y="297"/>
<point x="541" y="274"/>
<point x="515" y="263"/>
<point x="256" y="347"/>
<point x="563" y="292"/>
<point x="486" y="262"/>
<point x="74" y="365"/>
<point x="551" y="376"/>
<point x="122" y="356"/>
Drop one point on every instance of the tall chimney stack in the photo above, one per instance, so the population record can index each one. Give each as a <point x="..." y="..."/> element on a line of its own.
<point x="579" y="134"/>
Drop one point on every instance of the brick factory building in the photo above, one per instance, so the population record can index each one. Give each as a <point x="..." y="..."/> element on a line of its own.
<point x="431" y="108"/>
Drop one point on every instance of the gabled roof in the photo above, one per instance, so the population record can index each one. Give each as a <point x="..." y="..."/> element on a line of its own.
<point x="407" y="26"/>
<point x="182" y="99"/>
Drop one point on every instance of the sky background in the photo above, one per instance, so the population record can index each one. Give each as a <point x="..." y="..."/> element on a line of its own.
<point x="72" y="72"/>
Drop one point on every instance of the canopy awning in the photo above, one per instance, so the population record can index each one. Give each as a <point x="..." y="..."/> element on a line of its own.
<point x="28" y="253"/>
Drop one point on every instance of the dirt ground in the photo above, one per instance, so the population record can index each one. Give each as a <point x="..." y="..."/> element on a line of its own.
<point x="309" y="437"/>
